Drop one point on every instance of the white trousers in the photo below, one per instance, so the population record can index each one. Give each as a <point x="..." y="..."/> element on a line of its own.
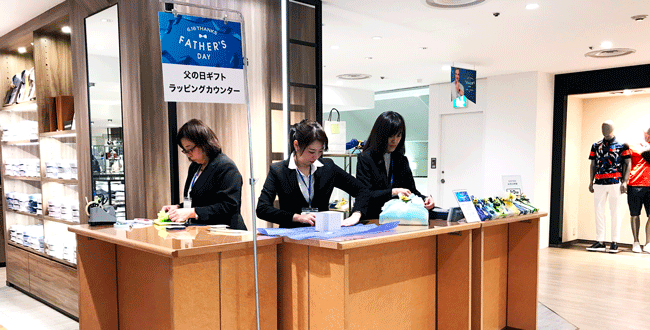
<point x="607" y="193"/>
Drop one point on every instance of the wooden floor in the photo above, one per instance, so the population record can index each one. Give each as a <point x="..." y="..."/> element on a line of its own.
<point x="589" y="290"/>
<point x="595" y="290"/>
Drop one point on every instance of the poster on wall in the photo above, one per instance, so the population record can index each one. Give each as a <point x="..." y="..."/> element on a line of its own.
<point x="463" y="86"/>
<point x="201" y="59"/>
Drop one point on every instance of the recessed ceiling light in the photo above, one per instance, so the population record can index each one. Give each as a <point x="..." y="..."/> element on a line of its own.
<point x="532" y="6"/>
<point x="627" y="92"/>
<point x="455" y="4"/>
<point x="606" y="45"/>
<point x="334" y="47"/>
<point x="376" y="38"/>
<point x="66" y="29"/>
<point x="353" y="76"/>
<point x="368" y="58"/>
<point x="612" y="52"/>
<point x="445" y="68"/>
<point x="639" y="18"/>
<point x="22" y="50"/>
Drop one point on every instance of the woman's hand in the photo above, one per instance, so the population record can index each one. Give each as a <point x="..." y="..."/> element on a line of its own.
<point x="168" y="208"/>
<point x="308" y="218"/>
<point x="401" y="191"/>
<point x="352" y="220"/>
<point x="181" y="215"/>
<point x="428" y="203"/>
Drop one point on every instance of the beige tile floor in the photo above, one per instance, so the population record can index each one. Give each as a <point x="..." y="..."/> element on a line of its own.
<point x="587" y="290"/>
<point x="19" y="311"/>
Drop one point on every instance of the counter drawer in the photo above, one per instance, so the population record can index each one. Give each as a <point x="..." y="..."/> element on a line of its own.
<point x="55" y="283"/>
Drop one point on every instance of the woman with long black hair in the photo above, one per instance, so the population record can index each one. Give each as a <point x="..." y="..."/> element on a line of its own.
<point x="383" y="167"/>
<point x="304" y="182"/>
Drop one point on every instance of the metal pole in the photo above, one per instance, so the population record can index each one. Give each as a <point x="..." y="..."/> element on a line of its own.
<point x="252" y="179"/>
<point x="250" y="144"/>
<point x="285" y="78"/>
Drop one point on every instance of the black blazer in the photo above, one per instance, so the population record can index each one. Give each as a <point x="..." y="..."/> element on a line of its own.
<point x="283" y="182"/>
<point x="216" y="195"/>
<point x="371" y="171"/>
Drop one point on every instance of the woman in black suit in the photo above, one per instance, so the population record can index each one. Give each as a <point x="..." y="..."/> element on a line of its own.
<point x="383" y="167"/>
<point x="305" y="181"/>
<point x="213" y="184"/>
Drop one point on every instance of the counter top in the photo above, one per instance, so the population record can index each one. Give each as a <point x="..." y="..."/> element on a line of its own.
<point x="192" y="241"/>
<point x="519" y="218"/>
<point x="405" y="232"/>
<point x="400" y="233"/>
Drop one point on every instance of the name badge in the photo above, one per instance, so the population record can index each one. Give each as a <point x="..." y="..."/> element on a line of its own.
<point x="187" y="203"/>
<point x="306" y="210"/>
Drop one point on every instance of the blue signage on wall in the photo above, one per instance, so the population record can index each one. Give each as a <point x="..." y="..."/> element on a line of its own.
<point x="200" y="41"/>
<point x="201" y="59"/>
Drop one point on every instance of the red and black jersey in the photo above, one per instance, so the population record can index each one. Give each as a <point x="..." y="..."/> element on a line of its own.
<point x="640" y="172"/>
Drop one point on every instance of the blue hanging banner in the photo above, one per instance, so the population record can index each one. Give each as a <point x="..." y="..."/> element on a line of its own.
<point x="201" y="59"/>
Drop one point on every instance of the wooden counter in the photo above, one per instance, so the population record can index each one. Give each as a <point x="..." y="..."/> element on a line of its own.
<point x="412" y="277"/>
<point x="504" y="273"/>
<point x="181" y="279"/>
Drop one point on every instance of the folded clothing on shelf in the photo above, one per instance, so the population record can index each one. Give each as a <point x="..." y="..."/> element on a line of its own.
<point x="64" y="248"/>
<point x="61" y="169"/>
<point x="28" y="236"/>
<point x="29" y="167"/>
<point x="22" y="130"/>
<point x="22" y="202"/>
<point x="63" y="208"/>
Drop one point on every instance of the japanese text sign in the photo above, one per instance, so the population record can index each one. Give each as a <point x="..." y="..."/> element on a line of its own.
<point x="201" y="59"/>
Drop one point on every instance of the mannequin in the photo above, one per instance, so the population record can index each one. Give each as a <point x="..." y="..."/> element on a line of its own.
<point x="639" y="189"/>
<point x="609" y="173"/>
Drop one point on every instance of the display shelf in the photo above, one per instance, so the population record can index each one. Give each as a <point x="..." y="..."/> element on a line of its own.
<point x="37" y="216"/>
<point x="63" y="221"/>
<point x="21" y="142"/>
<point x="62" y="181"/>
<point x="24" y="106"/>
<point x="51" y="58"/>
<point x="23" y="178"/>
<point x="39" y="253"/>
<point x="60" y="134"/>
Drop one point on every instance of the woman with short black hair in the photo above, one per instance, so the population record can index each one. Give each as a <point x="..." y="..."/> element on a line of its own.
<point x="304" y="182"/>
<point x="383" y="167"/>
<point x="212" y="193"/>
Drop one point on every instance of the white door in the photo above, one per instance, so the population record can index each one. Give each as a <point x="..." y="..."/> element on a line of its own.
<point x="461" y="156"/>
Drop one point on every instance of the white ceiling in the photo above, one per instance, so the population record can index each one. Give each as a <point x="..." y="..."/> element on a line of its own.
<point x="18" y="12"/>
<point x="552" y="39"/>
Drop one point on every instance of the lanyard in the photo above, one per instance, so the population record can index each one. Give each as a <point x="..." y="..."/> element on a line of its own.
<point x="308" y="186"/>
<point x="391" y="172"/>
<point x="196" y="175"/>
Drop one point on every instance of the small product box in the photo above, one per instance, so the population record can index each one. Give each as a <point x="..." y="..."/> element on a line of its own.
<point x="329" y="220"/>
